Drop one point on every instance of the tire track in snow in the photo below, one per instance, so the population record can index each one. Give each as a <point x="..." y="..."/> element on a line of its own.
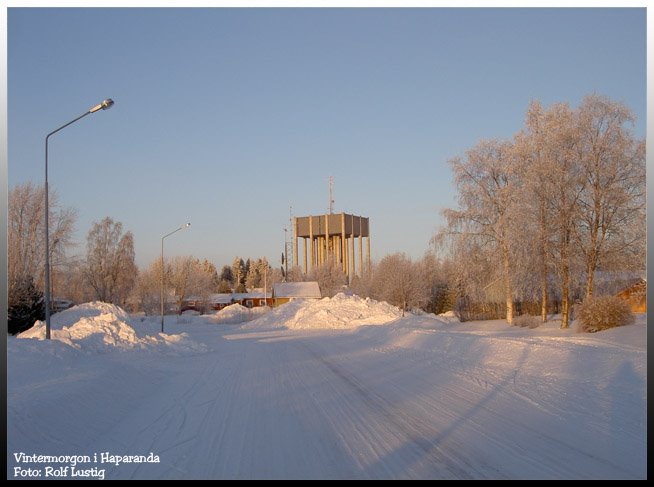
<point x="408" y="428"/>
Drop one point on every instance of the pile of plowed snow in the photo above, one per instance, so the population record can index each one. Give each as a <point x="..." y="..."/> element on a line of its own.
<point x="98" y="326"/>
<point x="236" y="313"/>
<point x="341" y="311"/>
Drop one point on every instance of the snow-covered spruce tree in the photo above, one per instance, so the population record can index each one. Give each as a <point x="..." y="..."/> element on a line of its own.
<point x="265" y="274"/>
<point x="252" y="277"/>
<point x="25" y="305"/>
<point x="226" y="275"/>
<point x="611" y="226"/>
<point x="486" y="183"/>
<point x="110" y="269"/>
<point x="238" y="272"/>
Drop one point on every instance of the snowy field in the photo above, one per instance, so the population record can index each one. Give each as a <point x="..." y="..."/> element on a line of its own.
<point x="340" y="388"/>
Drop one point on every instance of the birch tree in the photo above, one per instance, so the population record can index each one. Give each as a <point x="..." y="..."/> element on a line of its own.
<point x="562" y="188"/>
<point x="398" y="281"/>
<point x="330" y="277"/>
<point x="238" y="272"/>
<point x="485" y="181"/>
<point x="110" y="269"/>
<point x="530" y="146"/>
<point x="612" y="203"/>
<point x="188" y="277"/>
<point x="25" y="232"/>
<point x="147" y="290"/>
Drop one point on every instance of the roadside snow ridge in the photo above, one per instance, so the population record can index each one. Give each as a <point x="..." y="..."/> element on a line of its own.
<point x="339" y="312"/>
<point x="99" y="327"/>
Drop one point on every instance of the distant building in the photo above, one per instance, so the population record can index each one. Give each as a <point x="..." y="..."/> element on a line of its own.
<point x="636" y="296"/>
<point x="253" y="299"/>
<point x="283" y="292"/>
<point x="216" y="302"/>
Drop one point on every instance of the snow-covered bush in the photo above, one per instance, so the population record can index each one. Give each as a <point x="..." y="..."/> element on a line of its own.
<point x="527" y="321"/>
<point x="602" y="313"/>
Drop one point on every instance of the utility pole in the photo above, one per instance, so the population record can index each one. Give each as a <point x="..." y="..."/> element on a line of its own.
<point x="285" y="254"/>
<point x="289" y="254"/>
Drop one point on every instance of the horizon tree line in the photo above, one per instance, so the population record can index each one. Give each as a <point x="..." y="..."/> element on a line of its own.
<point x="538" y="215"/>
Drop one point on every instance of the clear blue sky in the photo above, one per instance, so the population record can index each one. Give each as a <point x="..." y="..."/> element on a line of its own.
<point x="225" y="117"/>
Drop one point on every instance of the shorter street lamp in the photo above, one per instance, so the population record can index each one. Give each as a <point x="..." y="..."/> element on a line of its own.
<point x="163" y="273"/>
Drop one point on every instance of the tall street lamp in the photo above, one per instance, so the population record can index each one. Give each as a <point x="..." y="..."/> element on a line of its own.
<point x="102" y="106"/>
<point x="163" y="273"/>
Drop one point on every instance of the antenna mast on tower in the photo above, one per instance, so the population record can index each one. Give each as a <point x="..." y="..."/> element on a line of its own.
<point x="331" y="195"/>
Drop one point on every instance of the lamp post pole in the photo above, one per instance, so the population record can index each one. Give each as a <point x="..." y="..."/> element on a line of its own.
<point x="161" y="298"/>
<point x="102" y="106"/>
<point x="286" y="254"/>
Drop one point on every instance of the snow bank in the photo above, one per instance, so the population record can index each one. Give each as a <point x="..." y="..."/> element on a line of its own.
<point x="449" y="317"/>
<point x="99" y="327"/>
<point x="341" y="311"/>
<point x="236" y="314"/>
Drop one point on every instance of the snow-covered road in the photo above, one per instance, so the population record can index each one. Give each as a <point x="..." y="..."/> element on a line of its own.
<point x="395" y="401"/>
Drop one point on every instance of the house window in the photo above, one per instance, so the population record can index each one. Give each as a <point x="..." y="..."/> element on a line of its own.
<point x="248" y="303"/>
<point x="262" y="302"/>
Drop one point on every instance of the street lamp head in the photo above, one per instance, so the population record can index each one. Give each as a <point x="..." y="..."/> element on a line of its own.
<point x="187" y="225"/>
<point x="108" y="103"/>
<point x="104" y="105"/>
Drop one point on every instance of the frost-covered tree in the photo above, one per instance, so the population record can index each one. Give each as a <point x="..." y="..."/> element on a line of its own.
<point x="25" y="233"/>
<point x="264" y="271"/>
<point x="398" y="281"/>
<point x="252" y="277"/>
<point x="147" y="291"/>
<point x="275" y="276"/>
<point x="295" y="274"/>
<point x="441" y="294"/>
<point x="110" y="269"/>
<point x="563" y="189"/>
<point x="534" y="215"/>
<point x="362" y="285"/>
<point x="567" y="196"/>
<point x="611" y="223"/>
<point x="188" y="277"/>
<point x="238" y="272"/>
<point x="210" y="269"/>
<point x="74" y="276"/>
<point x="330" y="277"/>
<point x="486" y="182"/>
<point x="226" y="275"/>
<point x="224" y="287"/>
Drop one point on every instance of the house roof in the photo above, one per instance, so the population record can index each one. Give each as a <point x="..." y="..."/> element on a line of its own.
<point x="226" y="298"/>
<point x="308" y="289"/>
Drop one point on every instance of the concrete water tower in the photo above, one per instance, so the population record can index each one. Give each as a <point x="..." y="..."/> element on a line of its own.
<point x="332" y="236"/>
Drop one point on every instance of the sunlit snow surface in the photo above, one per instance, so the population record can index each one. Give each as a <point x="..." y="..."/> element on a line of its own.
<point x="305" y="391"/>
